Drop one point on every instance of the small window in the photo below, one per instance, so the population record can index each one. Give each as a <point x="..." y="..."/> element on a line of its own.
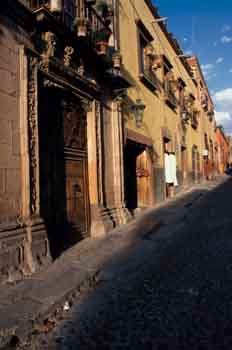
<point x="146" y="53"/>
<point x="170" y="84"/>
<point x="181" y="85"/>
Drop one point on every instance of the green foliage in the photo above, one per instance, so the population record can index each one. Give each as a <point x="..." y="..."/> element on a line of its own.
<point x="102" y="8"/>
<point x="102" y="35"/>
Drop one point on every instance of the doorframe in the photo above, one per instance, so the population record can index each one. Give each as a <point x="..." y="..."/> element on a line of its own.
<point x="148" y="145"/>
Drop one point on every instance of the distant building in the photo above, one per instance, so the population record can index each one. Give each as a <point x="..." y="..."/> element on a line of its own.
<point x="208" y="122"/>
<point x="230" y="149"/>
<point x="223" y="149"/>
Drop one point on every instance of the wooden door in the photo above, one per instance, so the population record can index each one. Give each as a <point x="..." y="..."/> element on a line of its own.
<point x="76" y="194"/>
<point x="143" y="179"/>
<point x="76" y="180"/>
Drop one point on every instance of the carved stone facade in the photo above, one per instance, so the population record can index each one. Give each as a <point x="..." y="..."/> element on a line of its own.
<point x="60" y="147"/>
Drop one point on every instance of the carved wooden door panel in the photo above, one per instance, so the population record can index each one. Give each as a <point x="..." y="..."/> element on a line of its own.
<point x="76" y="183"/>
<point x="76" y="196"/>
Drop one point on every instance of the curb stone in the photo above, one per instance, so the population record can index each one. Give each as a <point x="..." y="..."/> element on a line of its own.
<point x="24" y="329"/>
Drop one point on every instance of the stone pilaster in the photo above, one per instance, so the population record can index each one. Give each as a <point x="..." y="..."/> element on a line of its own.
<point x="99" y="220"/>
<point x="118" y="163"/>
<point x="36" y="243"/>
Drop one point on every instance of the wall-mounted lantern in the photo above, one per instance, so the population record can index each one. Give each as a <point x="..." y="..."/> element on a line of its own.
<point x="138" y="109"/>
<point x="184" y="115"/>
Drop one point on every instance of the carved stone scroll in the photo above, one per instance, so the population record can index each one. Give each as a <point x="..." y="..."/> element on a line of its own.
<point x="33" y="132"/>
<point x="68" y="52"/>
<point x="50" y="44"/>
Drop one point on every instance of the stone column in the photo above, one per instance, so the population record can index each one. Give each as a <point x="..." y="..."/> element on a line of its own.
<point x="118" y="163"/>
<point x="29" y="144"/>
<point x="25" y="158"/>
<point x="98" y="225"/>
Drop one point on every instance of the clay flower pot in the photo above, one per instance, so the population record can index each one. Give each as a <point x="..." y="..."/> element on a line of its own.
<point x="117" y="60"/>
<point x="82" y="30"/>
<point x="157" y="63"/>
<point x="102" y="48"/>
<point x="174" y="85"/>
<point x="148" y="51"/>
<point x="102" y="41"/>
<point x="81" y="25"/>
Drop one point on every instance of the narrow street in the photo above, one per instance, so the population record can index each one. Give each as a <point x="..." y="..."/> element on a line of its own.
<point x="176" y="295"/>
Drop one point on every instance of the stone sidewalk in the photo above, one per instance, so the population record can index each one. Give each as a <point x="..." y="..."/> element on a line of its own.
<point x="32" y="301"/>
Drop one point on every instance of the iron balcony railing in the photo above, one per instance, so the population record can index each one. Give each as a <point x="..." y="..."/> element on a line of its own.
<point x="69" y="10"/>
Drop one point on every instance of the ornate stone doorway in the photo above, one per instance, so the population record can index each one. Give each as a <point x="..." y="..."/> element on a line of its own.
<point x="64" y="201"/>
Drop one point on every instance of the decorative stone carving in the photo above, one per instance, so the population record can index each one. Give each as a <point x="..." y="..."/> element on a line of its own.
<point x="68" y="52"/>
<point x="32" y="130"/>
<point x="50" y="44"/>
<point x="81" y="69"/>
<point x="74" y="121"/>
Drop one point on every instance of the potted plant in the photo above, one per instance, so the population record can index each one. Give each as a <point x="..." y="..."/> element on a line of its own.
<point x="174" y="85"/>
<point x="157" y="62"/>
<point x="102" y="39"/>
<point x="149" y="51"/>
<point x="117" y="60"/>
<point x="81" y="26"/>
<point x="102" y="8"/>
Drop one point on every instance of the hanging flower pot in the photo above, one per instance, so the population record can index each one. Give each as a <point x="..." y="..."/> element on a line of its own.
<point x="174" y="85"/>
<point x="82" y="30"/>
<point x="170" y="76"/>
<point x="102" y="48"/>
<point x="102" y="41"/>
<point x="81" y="25"/>
<point x="117" y="60"/>
<point x="149" y="51"/>
<point x="157" y="63"/>
<point x="55" y="5"/>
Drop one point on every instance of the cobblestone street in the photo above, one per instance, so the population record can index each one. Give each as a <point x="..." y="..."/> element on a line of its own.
<point x="177" y="293"/>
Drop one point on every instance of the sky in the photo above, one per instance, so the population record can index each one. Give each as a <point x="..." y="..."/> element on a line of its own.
<point x="204" y="28"/>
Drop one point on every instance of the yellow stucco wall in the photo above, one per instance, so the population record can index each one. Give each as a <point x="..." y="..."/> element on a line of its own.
<point x="157" y="114"/>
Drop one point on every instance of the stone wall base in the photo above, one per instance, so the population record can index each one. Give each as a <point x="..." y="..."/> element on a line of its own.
<point x="105" y="219"/>
<point x="24" y="249"/>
